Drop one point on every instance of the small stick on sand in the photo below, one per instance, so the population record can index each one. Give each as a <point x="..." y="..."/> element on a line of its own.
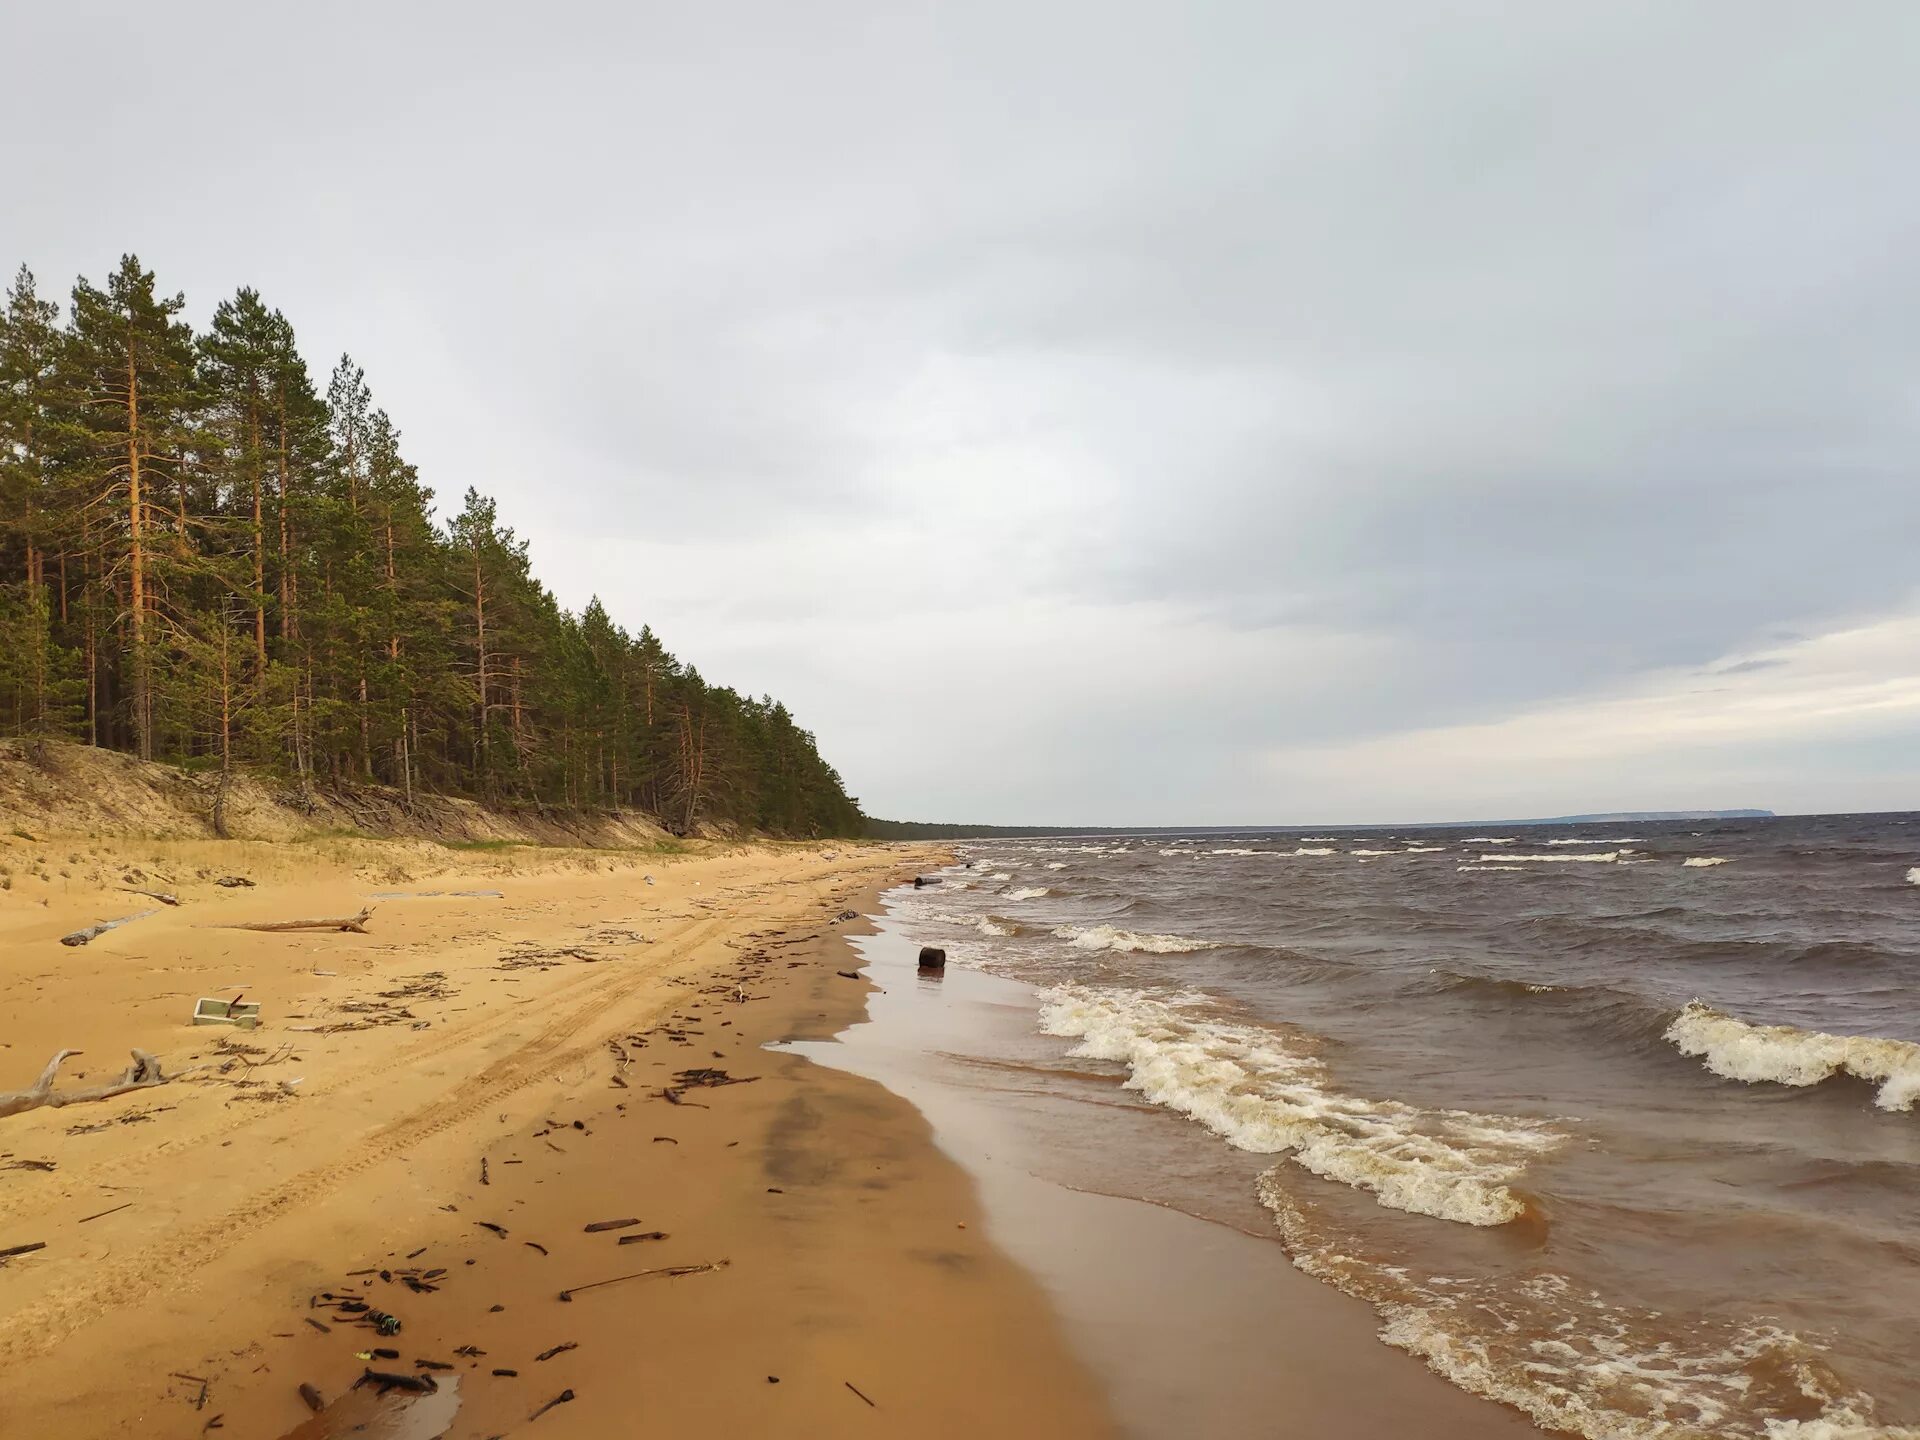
<point x="562" y="1398"/>
<point x="665" y="1273"/>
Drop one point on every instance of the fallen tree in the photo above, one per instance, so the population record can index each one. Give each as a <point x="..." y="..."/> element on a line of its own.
<point x="143" y="1074"/>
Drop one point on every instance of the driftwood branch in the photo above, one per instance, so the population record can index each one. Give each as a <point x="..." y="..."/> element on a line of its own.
<point x="142" y="1074"/>
<point x="356" y="923"/>
<point x="160" y="895"/>
<point x="94" y="932"/>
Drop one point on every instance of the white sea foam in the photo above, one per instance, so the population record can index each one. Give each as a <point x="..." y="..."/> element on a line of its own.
<point x="1318" y="839"/>
<point x="1571" y="840"/>
<point x="1603" y="857"/>
<point x="1701" y="862"/>
<point x="1264" y="1092"/>
<point x="1111" y="937"/>
<point x="1233" y="852"/>
<point x="1423" y="850"/>
<point x="1562" y="1354"/>
<point x="1913" y="876"/>
<point x="1028" y="892"/>
<point x="1000" y="875"/>
<point x="1177" y="854"/>
<point x="1373" y="852"/>
<point x="1788" y="1055"/>
<point x="1481" y="868"/>
<point x="1056" y="865"/>
<point x="1313" y="850"/>
<point x="991" y="927"/>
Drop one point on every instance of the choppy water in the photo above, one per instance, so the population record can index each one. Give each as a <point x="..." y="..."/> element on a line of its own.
<point x="1617" y="1124"/>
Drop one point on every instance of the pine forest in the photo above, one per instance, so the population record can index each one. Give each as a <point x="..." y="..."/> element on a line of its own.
<point x="209" y="560"/>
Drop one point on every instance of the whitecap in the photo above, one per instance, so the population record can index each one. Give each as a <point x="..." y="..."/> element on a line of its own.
<point x="1603" y="857"/>
<point x="1787" y="1055"/>
<point x="1373" y="852"/>
<point x="1056" y="865"/>
<point x="1111" y="937"/>
<point x="1701" y="862"/>
<point x="1233" y="852"/>
<point x="1028" y="892"/>
<point x="1000" y="875"/>
<point x="1481" y="868"/>
<point x="1423" y="850"/>
<point x="1913" y="876"/>
<point x="992" y="927"/>
<point x="1262" y="1091"/>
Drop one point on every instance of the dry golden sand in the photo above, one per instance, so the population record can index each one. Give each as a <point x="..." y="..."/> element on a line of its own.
<point x="856" y="1261"/>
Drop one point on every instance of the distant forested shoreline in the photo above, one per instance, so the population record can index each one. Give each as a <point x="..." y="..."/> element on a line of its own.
<point x="205" y="559"/>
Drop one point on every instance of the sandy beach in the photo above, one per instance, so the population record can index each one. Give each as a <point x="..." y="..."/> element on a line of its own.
<point x="433" y="1113"/>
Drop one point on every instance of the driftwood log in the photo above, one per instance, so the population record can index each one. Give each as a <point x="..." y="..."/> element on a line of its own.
<point x="356" y="923"/>
<point x="160" y="895"/>
<point x="94" y="932"/>
<point x="142" y="1074"/>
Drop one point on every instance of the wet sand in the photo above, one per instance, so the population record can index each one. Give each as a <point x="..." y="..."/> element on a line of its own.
<point x="855" y="1289"/>
<point x="1193" y="1326"/>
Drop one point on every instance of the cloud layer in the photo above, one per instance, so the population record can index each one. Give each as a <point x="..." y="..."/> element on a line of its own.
<point x="1114" y="413"/>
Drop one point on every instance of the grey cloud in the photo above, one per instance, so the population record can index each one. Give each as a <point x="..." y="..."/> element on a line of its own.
<point x="1532" y="348"/>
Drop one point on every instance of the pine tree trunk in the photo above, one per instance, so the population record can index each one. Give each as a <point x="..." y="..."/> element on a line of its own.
<point x="226" y="737"/>
<point x="142" y="716"/>
<point x="480" y="645"/>
<point x="259" y="549"/>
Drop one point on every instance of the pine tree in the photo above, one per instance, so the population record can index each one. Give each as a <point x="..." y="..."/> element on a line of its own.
<point x="131" y="367"/>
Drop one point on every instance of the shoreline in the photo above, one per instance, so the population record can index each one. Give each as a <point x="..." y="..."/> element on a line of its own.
<point x="859" y="1272"/>
<point x="1193" y="1320"/>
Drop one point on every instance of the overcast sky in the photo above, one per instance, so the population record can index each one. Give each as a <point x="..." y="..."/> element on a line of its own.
<point x="1111" y="412"/>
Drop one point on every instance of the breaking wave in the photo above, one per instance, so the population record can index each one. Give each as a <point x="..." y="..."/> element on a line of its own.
<point x="1787" y="1055"/>
<point x="1913" y="876"/>
<point x="1111" y="937"/>
<point x="1602" y="857"/>
<point x="1028" y="892"/>
<point x="1567" y="1358"/>
<point x="1701" y="862"/>
<point x="1264" y="1092"/>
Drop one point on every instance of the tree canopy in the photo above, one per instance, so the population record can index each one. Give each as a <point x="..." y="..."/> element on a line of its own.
<point x="205" y="559"/>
